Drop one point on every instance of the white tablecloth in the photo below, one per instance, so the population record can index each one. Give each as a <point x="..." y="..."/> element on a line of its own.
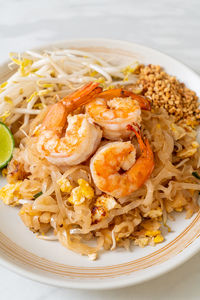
<point x="172" y="26"/>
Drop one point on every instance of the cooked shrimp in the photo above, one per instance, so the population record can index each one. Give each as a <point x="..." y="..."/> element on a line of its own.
<point x="114" y="109"/>
<point x="115" y="169"/>
<point x="74" y="144"/>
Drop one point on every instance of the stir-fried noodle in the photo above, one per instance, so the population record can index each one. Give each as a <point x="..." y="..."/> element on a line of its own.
<point x="62" y="201"/>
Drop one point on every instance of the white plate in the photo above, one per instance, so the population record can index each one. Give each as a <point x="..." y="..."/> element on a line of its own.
<point x="50" y="263"/>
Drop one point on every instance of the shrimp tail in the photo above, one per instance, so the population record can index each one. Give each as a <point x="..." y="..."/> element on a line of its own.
<point x="147" y="157"/>
<point x="142" y="144"/>
<point x="57" y="114"/>
<point x="119" y="92"/>
<point x="82" y="96"/>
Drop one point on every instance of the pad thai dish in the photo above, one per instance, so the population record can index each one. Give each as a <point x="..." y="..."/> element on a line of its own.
<point x="97" y="154"/>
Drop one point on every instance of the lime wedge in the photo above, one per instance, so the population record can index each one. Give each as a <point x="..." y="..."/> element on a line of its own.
<point x="6" y="145"/>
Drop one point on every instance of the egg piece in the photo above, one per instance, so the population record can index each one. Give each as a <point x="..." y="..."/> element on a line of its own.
<point x="86" y="189"/>
<point x="156" y="235"/>
<point x="102" y="206"/>
<point x="152" y="233"/>
<point x="64" y="184"/>
<point x="9" y="194"/>
<point x="158" y="239"/>
<point x="81" y="193"/>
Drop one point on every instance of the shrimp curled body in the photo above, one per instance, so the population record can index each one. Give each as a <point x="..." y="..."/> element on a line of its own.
<point x="114" y="109"/>
<point x="115" y="170"/>
<point x="69" y="143"/>
<point x="81" y="139"/>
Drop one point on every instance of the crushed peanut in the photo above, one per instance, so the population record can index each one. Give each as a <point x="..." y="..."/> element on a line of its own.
<point x="166" y="91"/>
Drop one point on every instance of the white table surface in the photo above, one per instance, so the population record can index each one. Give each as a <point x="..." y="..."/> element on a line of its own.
<point x="172" y="26"/>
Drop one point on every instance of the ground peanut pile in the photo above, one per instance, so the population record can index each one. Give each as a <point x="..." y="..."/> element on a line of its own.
<point x="165" y="90"/>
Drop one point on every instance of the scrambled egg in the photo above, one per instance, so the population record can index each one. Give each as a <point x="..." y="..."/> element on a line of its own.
<point x="156" y="234"/>
<point x="65" y="185"/>
<point x="152" y="233"/>
<point x="81" y="193"/>
<point x="102" y="205"/>
<point x="154" y="213"/>
<point x="9" y="194"/>
<point x="86" y="189"/>
<point x="158" y="239"/>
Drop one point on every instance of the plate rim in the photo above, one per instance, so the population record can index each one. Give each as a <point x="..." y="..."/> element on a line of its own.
<point x="180" y="258"/>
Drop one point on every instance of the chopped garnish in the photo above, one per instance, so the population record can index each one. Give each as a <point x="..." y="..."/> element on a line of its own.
<point x="37" y="195"/>
<point x="195" y="174"/>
